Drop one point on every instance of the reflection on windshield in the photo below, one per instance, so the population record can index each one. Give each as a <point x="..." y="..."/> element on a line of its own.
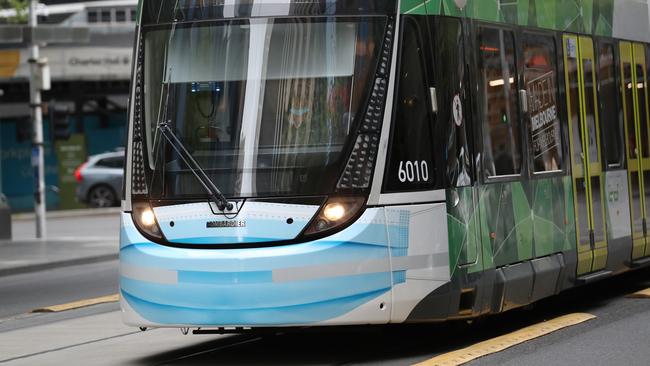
<point x="266" y="107"/>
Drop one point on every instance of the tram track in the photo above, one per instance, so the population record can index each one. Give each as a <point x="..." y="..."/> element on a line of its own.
<point x="411" y="344"/>
<point x="235" y="343"/>
<point x="66" y="347"/>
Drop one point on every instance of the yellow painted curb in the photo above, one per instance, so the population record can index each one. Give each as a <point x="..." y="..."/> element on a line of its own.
<point x="78" y="304"/>
<point x="503" y="342"/>
<point x="643" y="294"/>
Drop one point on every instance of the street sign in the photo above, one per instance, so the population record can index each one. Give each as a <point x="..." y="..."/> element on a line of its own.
<point x="70" y="155"/>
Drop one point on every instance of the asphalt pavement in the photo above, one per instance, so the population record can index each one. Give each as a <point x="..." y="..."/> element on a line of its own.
<point x="618" y="336"/>
<point x="25" y="292"/>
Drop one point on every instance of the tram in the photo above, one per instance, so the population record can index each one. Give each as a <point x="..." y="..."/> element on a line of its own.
<point x="347" y="162"/>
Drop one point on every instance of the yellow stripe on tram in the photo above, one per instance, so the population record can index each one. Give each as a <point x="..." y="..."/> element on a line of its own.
<point x="78" y="304"/>
<point x="503" y="342"/>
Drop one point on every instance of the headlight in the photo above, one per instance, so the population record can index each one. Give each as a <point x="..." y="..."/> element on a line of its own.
<point x="336" y="212"/>
<point x="145" y="220"/>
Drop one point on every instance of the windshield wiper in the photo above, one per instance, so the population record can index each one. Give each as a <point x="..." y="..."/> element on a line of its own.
<point x="193" y="165"/>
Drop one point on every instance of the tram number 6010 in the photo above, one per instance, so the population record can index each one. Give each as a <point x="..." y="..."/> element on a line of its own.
<point x="413" y="171"/>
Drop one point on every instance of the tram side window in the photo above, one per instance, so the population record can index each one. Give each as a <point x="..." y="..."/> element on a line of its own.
<point x="628" y="102"/>
<point x="641" y="86"/>
<point x="540" y="79"/>
<point x="498" y="102"/>
<point x="411" y="164"/>
<point x="610" y="111"/>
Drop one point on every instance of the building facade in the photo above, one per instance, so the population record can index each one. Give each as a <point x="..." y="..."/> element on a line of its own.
<point x="89" y="92"/>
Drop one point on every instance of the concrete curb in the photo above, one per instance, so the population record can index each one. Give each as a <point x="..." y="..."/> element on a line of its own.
<point x="57" y="264"/>
<point x="70" y="213"/>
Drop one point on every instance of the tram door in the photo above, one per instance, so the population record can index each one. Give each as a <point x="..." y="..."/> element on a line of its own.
<point x="635" y="112"/>
<point x="586" y="163"/>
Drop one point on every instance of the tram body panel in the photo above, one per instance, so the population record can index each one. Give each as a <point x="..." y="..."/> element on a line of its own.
<point x="255" y="222"/>
<point x="618" y="204"/>
<point x="618" y="219"/>
<point x="300" y="284"/>
<point x="420" y="265"/>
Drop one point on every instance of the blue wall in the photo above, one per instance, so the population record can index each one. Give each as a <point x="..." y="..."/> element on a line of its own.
<point x="100" y="140"/>
<point x="17" y="181"/>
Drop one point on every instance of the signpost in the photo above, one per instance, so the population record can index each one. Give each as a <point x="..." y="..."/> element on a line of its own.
<point x="38" y="154"/>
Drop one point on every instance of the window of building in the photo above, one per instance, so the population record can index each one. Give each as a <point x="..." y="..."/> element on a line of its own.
<point x="106" y="16"/>
<point x="498" y="102"/>
<point x="134" y="15"/>
<point x="411" y="165"/>
<point x="609" y="102"/>
<point x="120" y="15"/>
<point x="92" y="16"/>
<point x="540" y="79"/>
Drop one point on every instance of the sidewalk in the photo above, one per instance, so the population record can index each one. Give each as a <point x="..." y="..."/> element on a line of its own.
<point x="69" y="213"/>
<point x="30" y="256"/>
<point x="74" y="237"/>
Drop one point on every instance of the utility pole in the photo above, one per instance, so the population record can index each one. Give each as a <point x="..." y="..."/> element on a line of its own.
<point x="38" y="152"/>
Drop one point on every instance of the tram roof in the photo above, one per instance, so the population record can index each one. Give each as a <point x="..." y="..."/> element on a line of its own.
<point x="167" y="11"/>
<point x="626" y="19"/>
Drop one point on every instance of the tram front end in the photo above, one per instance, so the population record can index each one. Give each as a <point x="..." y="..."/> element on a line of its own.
<point x="255" y="133"/>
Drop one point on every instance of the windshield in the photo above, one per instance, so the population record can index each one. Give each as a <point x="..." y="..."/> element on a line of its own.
<point x="267" y="107"/>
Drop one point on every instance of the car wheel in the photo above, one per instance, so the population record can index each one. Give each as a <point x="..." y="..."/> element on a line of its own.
<point x="101" y="196"/>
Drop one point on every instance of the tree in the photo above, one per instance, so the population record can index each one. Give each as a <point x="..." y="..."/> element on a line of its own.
<point x="21" y="7"/>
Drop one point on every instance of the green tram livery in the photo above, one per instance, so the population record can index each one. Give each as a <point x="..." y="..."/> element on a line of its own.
<point x="559" y="125"/>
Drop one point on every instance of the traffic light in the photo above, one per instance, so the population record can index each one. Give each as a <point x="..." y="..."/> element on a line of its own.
<point x="60" y="122"/>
